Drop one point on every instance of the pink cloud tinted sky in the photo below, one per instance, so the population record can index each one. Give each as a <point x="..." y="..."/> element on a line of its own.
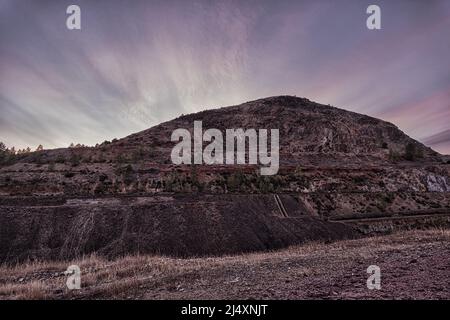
<point x="135" y="64"/>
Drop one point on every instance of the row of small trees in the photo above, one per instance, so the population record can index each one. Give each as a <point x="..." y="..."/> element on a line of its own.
<point x="13" y="151"/>
<point x="78" y="145"/>
<point x="9" y="155"/>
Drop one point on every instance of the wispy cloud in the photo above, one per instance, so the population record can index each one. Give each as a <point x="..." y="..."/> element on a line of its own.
<point x="136" y="64"/>
<point x="440" y="141"/>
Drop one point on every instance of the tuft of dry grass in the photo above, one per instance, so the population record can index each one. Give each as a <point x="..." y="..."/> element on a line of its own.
<point x="35" y="290"/>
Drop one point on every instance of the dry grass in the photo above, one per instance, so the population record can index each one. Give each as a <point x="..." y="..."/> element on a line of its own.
<point x="35" y="290"/>
<point x="127" y="276"/>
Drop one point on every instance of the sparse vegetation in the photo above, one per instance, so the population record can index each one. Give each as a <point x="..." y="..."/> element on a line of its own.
<point x="138" y="155"/>
<point x="234" y="181"/>
<point x="394" y="156"/>
<point x="264" y="184"/>
<point x="316" y="270"/>
<point x="126" y="172"/>
<point x="35" y="290"/>
<point x="75" y="159"/>
<point x="412" y="153"/>
<point x="121" y="158"/>
<point x="194" y="179"/>
<point x="60" y="159"/>
<point x="8" y="156"/>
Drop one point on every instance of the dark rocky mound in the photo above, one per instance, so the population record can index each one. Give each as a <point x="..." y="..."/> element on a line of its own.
<point x="179" y="225"/>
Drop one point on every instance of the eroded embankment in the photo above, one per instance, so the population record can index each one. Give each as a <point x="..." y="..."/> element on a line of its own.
<point x="175" y="225"/>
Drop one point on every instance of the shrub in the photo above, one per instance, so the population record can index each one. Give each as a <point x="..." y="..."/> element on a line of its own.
<point x="75" y="159"/>
<point x="412" y="152"/>
<point x="88" y="159"/>
<point x="172" y="183"/>
<point x="127" y="173"/>
<point x="7" y="156"/>
<point x="60" y="159"/>
<point x="234" y="181"/>
<point x="69" y="174"/>
<point x="138" y="155"/>
<point x="265" y="185"/>
<point x="394" y="155"/>
<point x="194" y="178"/>
<point x="120" y="158"/>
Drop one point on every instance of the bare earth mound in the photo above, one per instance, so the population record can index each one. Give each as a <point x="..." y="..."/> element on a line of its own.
<point x="177" y="225"/>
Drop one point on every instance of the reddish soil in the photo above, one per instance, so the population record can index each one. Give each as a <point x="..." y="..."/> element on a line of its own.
<point x="414" y="265"/>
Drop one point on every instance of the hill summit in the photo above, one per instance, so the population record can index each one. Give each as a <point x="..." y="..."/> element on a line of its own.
<point x="309" y="132"/>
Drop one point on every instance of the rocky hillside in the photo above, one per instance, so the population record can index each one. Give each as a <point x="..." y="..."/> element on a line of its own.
<point x="307" y="129"/>
<point x="322" y="148"/>
<point x="310" y="133"/>
<point x="127" y="196"/>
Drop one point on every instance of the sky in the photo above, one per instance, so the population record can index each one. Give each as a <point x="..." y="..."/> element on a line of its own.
<point x="136" y="63"/>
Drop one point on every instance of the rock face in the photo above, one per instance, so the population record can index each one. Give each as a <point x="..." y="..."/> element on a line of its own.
<point x="126" y="196"/>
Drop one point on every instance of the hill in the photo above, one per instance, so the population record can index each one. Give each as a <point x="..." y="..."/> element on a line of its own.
<point x="126" y="196"/>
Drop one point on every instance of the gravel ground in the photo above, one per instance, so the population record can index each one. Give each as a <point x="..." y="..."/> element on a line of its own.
<point x="413" y="264"/>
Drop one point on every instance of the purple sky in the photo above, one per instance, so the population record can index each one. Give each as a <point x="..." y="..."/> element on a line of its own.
<point x="135" y="63"/>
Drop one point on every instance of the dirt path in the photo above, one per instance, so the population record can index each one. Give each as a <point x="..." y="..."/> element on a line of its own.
<point x="414" y="265"/>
